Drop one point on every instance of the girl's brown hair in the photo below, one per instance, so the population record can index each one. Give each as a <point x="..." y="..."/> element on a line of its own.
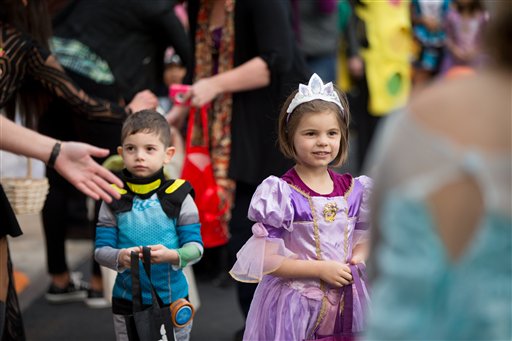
<point x="288" y="124"/>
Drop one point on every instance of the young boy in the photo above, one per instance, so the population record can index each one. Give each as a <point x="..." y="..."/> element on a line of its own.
<point x="152" y="211"/>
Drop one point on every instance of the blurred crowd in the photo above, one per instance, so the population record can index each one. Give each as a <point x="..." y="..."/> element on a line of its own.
<point x="242" y="58"/>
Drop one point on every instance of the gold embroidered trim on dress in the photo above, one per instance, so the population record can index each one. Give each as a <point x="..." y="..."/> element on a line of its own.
<point x="323" y="309"/>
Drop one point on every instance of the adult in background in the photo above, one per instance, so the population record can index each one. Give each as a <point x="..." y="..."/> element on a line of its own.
<point x="317" y="30"/>
<point x="112" y="49"/>
<point x="246" y="63"/>
<point x="71" y="159"/>
<point x="379" y="64"/>
<point x="442" y="257"/>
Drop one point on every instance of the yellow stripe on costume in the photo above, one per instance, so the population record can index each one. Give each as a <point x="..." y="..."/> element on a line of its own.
<point x="119" y="190"/>
<point x="175" y="185"/>
<point x="144" y="188"/>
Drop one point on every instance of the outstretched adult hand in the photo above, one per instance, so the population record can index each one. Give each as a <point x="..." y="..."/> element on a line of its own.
<point x="75" y="164"/>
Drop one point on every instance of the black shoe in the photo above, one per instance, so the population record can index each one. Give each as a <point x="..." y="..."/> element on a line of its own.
<point x="96" y="299"/>
<point x="75" y="291"/>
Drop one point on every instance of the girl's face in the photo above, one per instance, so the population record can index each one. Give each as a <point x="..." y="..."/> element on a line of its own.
<point x="317" y="139"/>
<point x="144" y="154"/>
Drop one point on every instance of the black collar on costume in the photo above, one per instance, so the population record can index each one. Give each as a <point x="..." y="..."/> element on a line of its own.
<point x="171" y="193"/>
<point x="143" y="187"/>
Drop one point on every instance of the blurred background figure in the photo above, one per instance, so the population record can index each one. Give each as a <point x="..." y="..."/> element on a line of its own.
<point x="428" y="22"/>
<point x="74" y="162"/>
<point x="30" y="77"/>
<point x="465" y="24"/>
<point x="246" y="63"/>
<point x="174" y="72"/>
<point x="442" y="247"/>
<point x="379" y="42"/>
<point x="317" y="31"/>
<point x="112" y="50"/>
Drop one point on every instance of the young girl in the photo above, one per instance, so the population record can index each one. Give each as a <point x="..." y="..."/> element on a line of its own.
<point x="465" y="24"/>
<point x="428" y="18"/>
<point x="311" y="225"/>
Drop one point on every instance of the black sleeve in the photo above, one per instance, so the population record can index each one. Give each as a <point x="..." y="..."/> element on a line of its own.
<point x="45" y="69"/>
<point x="273" y="32"/>
<point x="160" y="15"/>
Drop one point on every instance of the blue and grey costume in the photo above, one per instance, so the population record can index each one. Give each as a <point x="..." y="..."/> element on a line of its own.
<point x="151" y="211"/>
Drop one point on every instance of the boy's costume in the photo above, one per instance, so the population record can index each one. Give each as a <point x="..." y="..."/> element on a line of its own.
<point x="150" y="211"/>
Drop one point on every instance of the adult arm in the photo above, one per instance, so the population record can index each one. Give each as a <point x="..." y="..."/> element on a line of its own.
<point x="45" y="68"/>
<point x="161" y="18"/>
<point x="268" y="24"/>
<point x="252" y="74"/>
<point x="74" y="162"/>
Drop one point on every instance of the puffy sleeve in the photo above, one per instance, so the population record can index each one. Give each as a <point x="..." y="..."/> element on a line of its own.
<point x="263" y="253"/>
<point x="362" y="228"/>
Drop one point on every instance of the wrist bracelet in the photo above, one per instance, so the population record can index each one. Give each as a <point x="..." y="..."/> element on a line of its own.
<point x="54" y="154"/>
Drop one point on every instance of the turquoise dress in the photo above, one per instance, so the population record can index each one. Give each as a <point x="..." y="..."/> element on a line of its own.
<point x="420" y="292"/>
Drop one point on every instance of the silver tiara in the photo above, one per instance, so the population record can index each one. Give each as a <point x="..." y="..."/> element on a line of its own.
<point x="316" y="89"/>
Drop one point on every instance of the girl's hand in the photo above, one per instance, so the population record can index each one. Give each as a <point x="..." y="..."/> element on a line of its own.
<point x="124" y="258"/>
<point x="359" y="253"/>
<point x="357" y="259"/>
<point x="459" y="54"/>
<point x="334" y="273"/>
<point x="161" y="254"/>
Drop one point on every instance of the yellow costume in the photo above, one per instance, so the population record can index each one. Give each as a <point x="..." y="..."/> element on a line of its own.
<point x="387" y="58"/>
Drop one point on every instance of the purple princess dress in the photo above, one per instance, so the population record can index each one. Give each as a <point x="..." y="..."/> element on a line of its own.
<point x="292" y="221"/>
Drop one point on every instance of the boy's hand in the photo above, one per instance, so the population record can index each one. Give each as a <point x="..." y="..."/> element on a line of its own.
<point x="124" y="258"/>
<point x="334" y="273"/>
<point x="161" y="254"/>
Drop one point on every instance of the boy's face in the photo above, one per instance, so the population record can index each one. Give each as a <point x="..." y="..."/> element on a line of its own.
<point x="144" y="154"/>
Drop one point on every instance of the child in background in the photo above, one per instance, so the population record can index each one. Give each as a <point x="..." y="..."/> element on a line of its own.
<point x="152" y="212"/>
<point x="465" y="24"/>
<point x="174" y="71"/>
<point x="311" y="224"/>
<point x="428" y="18"/>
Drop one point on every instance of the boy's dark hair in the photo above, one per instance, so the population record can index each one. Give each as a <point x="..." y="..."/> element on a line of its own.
<point x="147" y="121"/>
<point x="288" y="124"/>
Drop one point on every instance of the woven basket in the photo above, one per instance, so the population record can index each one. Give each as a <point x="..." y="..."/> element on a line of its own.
<point x="26" y="195"/>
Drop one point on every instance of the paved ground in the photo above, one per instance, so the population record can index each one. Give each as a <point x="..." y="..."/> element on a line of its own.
<point x="218" y="318"/>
